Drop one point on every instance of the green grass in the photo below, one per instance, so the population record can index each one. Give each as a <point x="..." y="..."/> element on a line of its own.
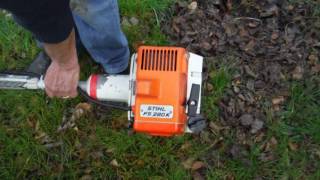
<point x="150" y="14"/>
<point x="220" y="79"/>
<point x="17" y="47"/>
<point x="139" y="156"/>
<point x="22" y="155"/>
<point x="300" y="124"/>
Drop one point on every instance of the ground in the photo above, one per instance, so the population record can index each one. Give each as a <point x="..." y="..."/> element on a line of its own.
<point x="261" y="99"/>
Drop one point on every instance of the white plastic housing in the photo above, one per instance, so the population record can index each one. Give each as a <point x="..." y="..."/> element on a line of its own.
<point x="195" y="64"/>
<point x="113" y="88"/>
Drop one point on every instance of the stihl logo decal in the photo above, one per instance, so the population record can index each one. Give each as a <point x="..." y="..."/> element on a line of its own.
<point x="156" y="111"/>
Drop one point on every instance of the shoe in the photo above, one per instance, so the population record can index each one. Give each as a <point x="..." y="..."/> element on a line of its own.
<point x="40" y="64"/>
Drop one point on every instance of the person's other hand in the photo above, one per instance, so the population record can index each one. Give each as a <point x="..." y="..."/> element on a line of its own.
<point x="61" y="80"/>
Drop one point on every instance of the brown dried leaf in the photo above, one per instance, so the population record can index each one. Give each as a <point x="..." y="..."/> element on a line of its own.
<point x="85" y="106"/>
<point x="297" y="73"/>
<point x="250" y="45"/>
<point x="313" y="59"/>
<point x="253" y="24"/>
<point x="198" y="165"/>
<point x="209" y="87"/>
<point x="96" y="154"/>
<point x="315" y="69"/>
<point x="114" y="163"/>
<point x="206" y="46"/>
<point x="293" y="146"/>
<point x="278" y="100"/>
<point x="187" y="164"/>
<point x="248" y="71"/>
<point x="260" y="137"/>
<point x="193" y="6"/>
<point x="110" y="150"/>
<point x="275" y="35"/>
<point x="273" y="142"/>
<point x="86" y="177"/>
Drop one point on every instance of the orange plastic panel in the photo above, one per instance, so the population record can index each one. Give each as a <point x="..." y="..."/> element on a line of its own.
<point x="161" y="86"/>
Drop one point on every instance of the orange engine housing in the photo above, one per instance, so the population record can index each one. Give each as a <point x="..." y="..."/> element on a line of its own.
<point x="161" y="87"/>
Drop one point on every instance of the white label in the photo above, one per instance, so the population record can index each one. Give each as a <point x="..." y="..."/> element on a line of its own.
<point x="156" y="111"/>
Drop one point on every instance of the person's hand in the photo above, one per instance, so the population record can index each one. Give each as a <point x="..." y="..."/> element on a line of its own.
<point x="62" y="80"/>
<point x="62" y="76"/>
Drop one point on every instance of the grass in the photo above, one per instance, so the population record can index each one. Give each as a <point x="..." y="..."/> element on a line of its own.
<point x="22" y="155"/>
<point x="102" y="139"/>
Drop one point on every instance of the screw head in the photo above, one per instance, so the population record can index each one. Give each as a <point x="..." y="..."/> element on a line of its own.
<point x="192" y="103"/>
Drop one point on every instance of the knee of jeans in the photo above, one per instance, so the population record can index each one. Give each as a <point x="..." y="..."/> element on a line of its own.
<point x="98" y="14"/>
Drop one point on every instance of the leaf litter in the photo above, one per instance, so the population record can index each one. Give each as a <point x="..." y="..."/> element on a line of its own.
<point x="272" y="42"/>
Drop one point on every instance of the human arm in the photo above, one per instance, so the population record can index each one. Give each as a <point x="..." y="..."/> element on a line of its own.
<point x="51" y="23"/>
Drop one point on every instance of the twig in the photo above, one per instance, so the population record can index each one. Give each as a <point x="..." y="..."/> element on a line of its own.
<point x="247" y="18"/>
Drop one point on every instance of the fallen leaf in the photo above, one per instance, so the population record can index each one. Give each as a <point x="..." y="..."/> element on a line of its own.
<point x="249" y="71"/>
<point x="260" y="137"/>
<point x="198" y="165"/>
<point x="236" y="89"/>
<point x="114" y="163"/>
<point x="86" y="177"/>
<point x="125" y="22"/>
<point x="273" y="143"/>
<point x="96" y="154"/>
<point x="275" y="35"/>
<point x="209" y="87"/>
<point x="250" y="45"/>
<point x="297" y="73"/>
<point x="278" y="100"/>
<point x="134" y="21"/>
<point x="293" y="146"/>
<point x="316" y="68"/>
<point x="187" y="164"/>
<point x="253" y="24"/>
<point x="88" y="170"/>
<point x="313" y="59"/>
<point x="84" y="106"/>
<point x="193" y="6"/>
<point x="110" y="150"/>
<point x="206" y="46"/>
<point x="290" y="7"/>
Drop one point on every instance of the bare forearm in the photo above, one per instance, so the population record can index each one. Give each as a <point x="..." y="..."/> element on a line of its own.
<point x="63" y="53"/>
<point x="62" y="76"/>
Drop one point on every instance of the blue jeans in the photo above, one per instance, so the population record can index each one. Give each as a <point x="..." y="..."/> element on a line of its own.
<point x="98" y="25"/>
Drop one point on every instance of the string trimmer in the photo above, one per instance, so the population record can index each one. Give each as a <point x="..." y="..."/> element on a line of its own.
<point x="162" y="93"/>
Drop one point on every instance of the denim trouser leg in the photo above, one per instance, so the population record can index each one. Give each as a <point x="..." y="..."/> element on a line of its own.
<point x="98" y="25"/>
